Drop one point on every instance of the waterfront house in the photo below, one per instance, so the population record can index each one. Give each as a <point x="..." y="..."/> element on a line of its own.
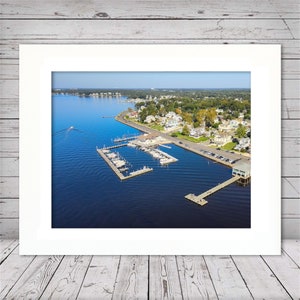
<point x="222" y="139"/>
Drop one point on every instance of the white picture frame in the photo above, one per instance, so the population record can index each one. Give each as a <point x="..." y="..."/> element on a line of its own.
<point x="37" y="62"/>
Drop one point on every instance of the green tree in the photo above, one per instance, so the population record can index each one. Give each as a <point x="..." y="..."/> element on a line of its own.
<point x="187" y="117"/>
<point x="210" y="116"/>
<point x="241" y="131"/>
<point x="185" y="130"/>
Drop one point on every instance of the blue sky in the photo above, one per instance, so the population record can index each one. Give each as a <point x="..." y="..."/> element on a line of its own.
<point x="146" y="80"/>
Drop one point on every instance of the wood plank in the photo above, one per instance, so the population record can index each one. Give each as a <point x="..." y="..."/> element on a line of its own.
<point x="286" y="271"/>
<point x="100" y="278"/>
<point x="290" y="228"/>
<point x="9" y="128"/>
<point x="290" y="167"/>
<point x="290" y="128"/>
<point x="292" y="249"/>
<point x="9" y="108"/>
<point x="9" y="166"/>
<point x="290" y="89"/>
<point x="9" y="187"/>
<point x="35" y="278"/>
<point x="226" y="278"/>
<point x="9" y="49"/>
<point x="286" y="9"/>
<point x="290" y="109"/>
<point x="290" y="208"/>
<point x="6" y="247"/>
<point x="134" y="9"/>
<point x="290" y="188"/>
<point x="9" y="147"/>
<point x="145" y="29"/>
<point x="9" y="208"/>
<point x="261" y="282"/>
<point x="290" y="68"/>
<point x="132" y="278"/>
<point x="290" y="147"/>
<point x="11" y="270"/>
<point x="9" y="228"/>
<point x="66" y="281"/>
<point x="9" y="69"/>
<point x="164" y="278"/>
<point x="294" y="27"/>
<point x="194" y="277"/>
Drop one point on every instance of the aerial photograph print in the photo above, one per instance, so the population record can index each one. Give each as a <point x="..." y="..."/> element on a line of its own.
<point x="151" y="149"/>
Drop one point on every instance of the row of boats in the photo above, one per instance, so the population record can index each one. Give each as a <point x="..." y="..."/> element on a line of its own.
<point x="116" y="159"/>
<point x="163" y="157"/>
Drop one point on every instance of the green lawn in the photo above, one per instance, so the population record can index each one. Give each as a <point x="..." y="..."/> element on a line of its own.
<point x="191" y="139"/>
<point x="157" y="127"/>
<point x="229" y="146"/>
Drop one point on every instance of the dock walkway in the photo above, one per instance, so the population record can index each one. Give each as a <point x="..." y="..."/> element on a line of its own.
<point x="115" y="146"/>
<point x="118" y="172"/>
<point x="200" y="198"/>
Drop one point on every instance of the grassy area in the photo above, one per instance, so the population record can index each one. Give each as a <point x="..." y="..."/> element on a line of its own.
<point x="156" y="127"/>
<point x="189" y="138"/>
<point x="229" y="146"/>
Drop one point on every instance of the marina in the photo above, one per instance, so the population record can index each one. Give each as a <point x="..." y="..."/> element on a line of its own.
<point x="118" y="165"/>
<point x="79" y="177"/>
<point x="164" y="158"/>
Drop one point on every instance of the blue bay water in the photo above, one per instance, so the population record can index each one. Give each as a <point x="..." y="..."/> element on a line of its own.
<point x="86" y="193"/>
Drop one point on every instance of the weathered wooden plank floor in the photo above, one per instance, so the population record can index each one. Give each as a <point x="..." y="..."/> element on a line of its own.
<point x="149" y="277"/>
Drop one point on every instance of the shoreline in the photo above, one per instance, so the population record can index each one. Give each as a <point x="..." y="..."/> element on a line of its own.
<point x="187" y="145"/>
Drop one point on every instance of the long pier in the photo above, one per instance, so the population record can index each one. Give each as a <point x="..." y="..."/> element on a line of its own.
<point x="115" y="146"/>
<point x="129" y="138"/>
<point x="200" y="198"/>
<point x="118" y="172"/>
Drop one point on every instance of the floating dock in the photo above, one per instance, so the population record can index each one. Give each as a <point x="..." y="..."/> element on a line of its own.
<point x="200" y="198"/>
<point x="117" y="171"/>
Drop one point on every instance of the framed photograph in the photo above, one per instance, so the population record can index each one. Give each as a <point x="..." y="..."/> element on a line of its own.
<point x="150" y="149"/>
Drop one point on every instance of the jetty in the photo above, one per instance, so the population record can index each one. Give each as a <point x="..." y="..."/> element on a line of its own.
<point x="117" y="166"/>
<point x="200" y="198"/>
<point x="125" y="139"/>
<point x="115" y="146"/>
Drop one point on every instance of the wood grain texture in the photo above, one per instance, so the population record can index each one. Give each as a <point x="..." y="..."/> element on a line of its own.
<point x="132" y="278"/>
<point x="292" y="249"/>
<point x="35" y="278"/>
<point x="99" y="282"/>
<point x="68" y="278"/>
<point x="195" y="279"/>
<point x="147" y="29"/>
<point x="11" y="270"/>
<point x="227" y="280"/>
<point x="9" y="49"/>
<point x="287" y="272"/>
<point x="164" y="278"/>
<point x="6" y="247"/>
<point x="153" y="9"/>
<point x="260" y="279"/>
<point x="83" y="277"/>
